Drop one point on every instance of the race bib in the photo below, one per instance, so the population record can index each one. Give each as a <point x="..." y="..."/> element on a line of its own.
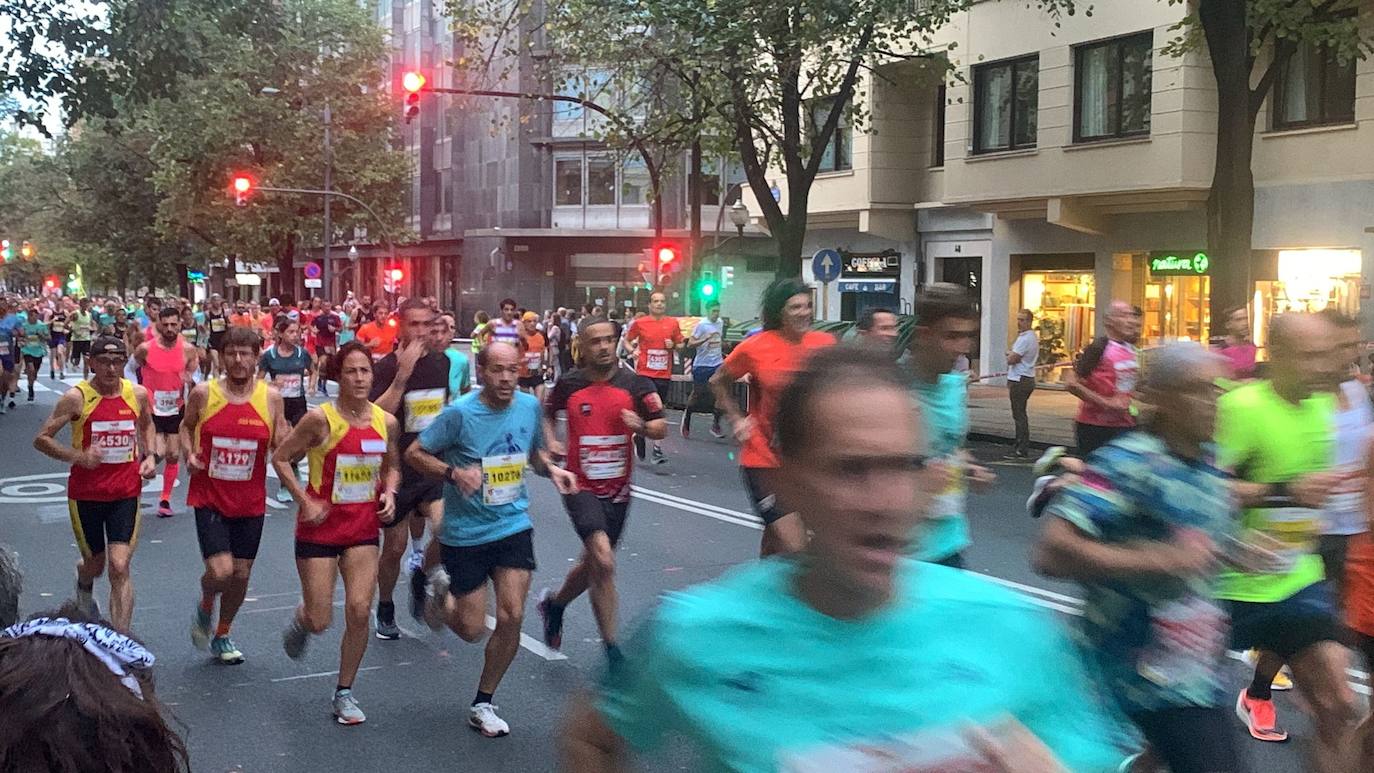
<point x="659" y="359"/>
<point x="113" y="441"/>
<point x="289" y="384"/>
<point x="604" y="457"/>
<point x="1126" y="376"/>
<point x="952" y="500"/>
<point x="503" y="478"/>
<point x="4" y="346"/>
<point x="1187" y="639"/>
<point x="355" y="478"/>
<point x="422" y="407"/>
<point x="166" y="402"/>
<point x="218" y="325"/>
<point x="533" y="361"/>
<point x="232" y="458"/>
<point x="1296" y="527"/>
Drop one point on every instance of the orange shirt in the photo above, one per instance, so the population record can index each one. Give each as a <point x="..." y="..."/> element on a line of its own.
<point x="532" y="353"/>
<point x="241" y="320"/>
<point x="655" y="358"/>
<point x="386" y="334"/>
<point x="770" y="361"/>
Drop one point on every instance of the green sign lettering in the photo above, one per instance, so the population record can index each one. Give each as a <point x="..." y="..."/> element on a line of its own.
<point x="1179" y="263"/>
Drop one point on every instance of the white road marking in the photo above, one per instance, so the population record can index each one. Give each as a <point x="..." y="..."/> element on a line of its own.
<point x="320" y="674"/>
<point x="719" y="513"/>
<point x="530" y="643"/>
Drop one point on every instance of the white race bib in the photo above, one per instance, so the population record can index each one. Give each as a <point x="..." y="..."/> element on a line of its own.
<point x="4" y="346"/>
<point x="113" y="441"/>
<point x="533" y="360"/>
<point x="658" y="359"/>
<point x="166" y="402"/>
<point x="952" y="500"/>
<point x="1189" y="637"/>
<point x="355" y="478"/>
<point x="604" y="457"/>
<point x="232" y="458"/>
<point x="289" y="384"/>
<point x="217" y="325"/>
<point x="503" y="478"/>
<point x="422" y="408"/>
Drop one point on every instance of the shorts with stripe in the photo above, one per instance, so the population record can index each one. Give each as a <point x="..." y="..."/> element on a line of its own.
<point x="96" y="523"/>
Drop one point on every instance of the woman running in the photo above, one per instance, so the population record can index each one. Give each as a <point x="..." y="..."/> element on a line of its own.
<point x="769" y="359"/>
<point x="351" y="445"/>
<point x="287" y="366"/>
<point x="58" y="331"/>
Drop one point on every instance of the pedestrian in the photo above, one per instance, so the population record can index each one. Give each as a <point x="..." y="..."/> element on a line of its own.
<point x="877" y="327"/>
<point x="849" y="656"/>
<point x="1236" y="346"/>
<point x="1021" y="359"/>
<point x="1103" y="379"/>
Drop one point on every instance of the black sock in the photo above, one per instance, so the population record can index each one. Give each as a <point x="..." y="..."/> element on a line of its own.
<point x="86" y="587"/>
<point x="1260" y="689"/>
<point x="687" y="420"/>
<point x="386" y="611"/>
<point x="338" y="688"/>
<point x="482" y="697"/>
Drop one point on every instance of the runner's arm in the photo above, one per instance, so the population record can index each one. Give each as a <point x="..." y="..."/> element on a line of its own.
<point x="147" y="431"/>
<point x="312" y="430"/>
<point x="1065" y="551"/>
<point x="588" y="744"/>
<point x="391" y="462"/>
<point x="67" y="410"/>
<point x="195" y="403"/>
<point x="723" y="387"/>
<point x="276" y="413"/>
<point x="141" y="355"/>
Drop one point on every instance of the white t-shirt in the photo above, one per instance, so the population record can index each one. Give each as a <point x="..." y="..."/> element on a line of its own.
<point x="1344" y="510"/>
<point x="708" y="354"/>
<point x="1028" y="346"/>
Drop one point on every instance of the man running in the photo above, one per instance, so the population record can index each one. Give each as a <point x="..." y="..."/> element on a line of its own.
<point x="706" y="338"/>
<point x="481" y="445"/>
<point x="82" y="331"/>
<point x="412" y="385"/>
<point x="459" y="366"/>
<point x="653" y="339"/>
<point x="327" y="325"/>
<point x="605" y="405"/>
<point x="351" y="445"/>
<point x="1103" y="378"/>
<point x="1277" y="434"/>
<point x="111" y="456"/>
<point x="946" y="327"/>
<point x="533" y="354"/>
<point x="287" y="366"/>
<point x="505" y="328"/>
<point x="877" y="327"/>
<point x="852" y="657"/>
<point x="230" y="425"/>
<point x="217" y="322"/>
<point x="36" y="336"/>
<point x="58" y="333"/>
<point x="9" y="354"/>
<point x="1343" y="516"/>
<point x="166" y="365"/>
<point x="379" y="334"/>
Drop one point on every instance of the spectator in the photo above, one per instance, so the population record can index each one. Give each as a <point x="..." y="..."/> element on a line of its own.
<point x="1236" y="347"/>
<point x="878" y="328"/>
<point x="1025" y="350"/>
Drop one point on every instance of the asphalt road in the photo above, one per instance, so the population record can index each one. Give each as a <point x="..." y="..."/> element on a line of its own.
<point x="690" y="521"/>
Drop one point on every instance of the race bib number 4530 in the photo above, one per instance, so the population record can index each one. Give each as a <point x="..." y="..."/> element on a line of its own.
<point x="113" y="441"/>
<point x="503" y="478"/>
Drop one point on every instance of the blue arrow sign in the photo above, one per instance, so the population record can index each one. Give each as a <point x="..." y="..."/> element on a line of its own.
<point x="826" y="265"/>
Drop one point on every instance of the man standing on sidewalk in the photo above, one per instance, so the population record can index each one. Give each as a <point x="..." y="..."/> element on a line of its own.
<point x="1103" y="378"/>
<point x="1025" y="350"/>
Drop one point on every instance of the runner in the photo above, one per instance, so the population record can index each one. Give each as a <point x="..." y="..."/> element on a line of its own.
<point x="877" y="327"/>
<point x="706" y="338"/>
<point x="328" y="324"/>
<point x="230" y="425"/>
<point x="287" y="367"/>
<point x="850" y="657"/>
<point x="946" y="327"/>
<point x="1343" y="515"/>
<point x="481" y="445"/>
<point x="351" y="445"/>
<point x="1103" y="378"/>
<point x="1277" y="433"/>
<point x="459" y="367"/>
<point x="533" y="351"/>
<point x="379" y="335"/>
<point x="480" y="329"/>
<point x="110" y="455"/>
<point x="605" y="405"/>
<point x="769" y="359"/>
<point x="36" y="336"/>
<point x="1141" y="529"/>
<point x="165" y="367"/>
<point x="504" y="329"/>
<point x="412" y="385"/>
<point x="57" y="343"/>
<point x="10" y="325"/>
<point x="82" y="325"/>
<point x="217" y="322"/>
<point x="652" y="339"/>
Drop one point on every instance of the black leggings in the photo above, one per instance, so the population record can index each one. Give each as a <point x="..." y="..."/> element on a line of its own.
<point x="1192" y="739"/>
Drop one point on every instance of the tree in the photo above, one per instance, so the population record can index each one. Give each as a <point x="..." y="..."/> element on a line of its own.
<point x="1249" y="43"/>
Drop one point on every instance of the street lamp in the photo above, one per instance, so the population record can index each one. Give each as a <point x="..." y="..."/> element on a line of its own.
<point x="353" y="253"/>
<point x="739" y="215"/>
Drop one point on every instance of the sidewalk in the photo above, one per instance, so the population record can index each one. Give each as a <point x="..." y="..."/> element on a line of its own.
<point x="1051" y="414"/>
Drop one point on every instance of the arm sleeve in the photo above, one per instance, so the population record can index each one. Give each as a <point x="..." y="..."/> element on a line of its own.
<point x="383" y="373"/>
<point x="645" y="406"/>
<point x="443" y="432"/>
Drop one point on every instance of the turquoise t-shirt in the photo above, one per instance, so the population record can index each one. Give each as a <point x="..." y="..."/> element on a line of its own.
<point x="944" y="406"/>
<point x="471" y="432"/>
<point x="757" y="680"/>
<point x="345" y="332"/>
<point x="459" y="374"/>
<point x="35" y="339"/>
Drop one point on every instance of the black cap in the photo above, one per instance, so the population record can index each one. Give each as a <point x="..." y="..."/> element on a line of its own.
<point x="109" y="345"/>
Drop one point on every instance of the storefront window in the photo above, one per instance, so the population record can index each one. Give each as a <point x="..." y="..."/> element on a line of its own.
<point x="1063" y="303"/>
<point x="1176" y="309"/>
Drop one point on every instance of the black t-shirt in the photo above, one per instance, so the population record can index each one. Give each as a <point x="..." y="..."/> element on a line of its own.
<point x="323" y="335"/>
<point x="598" y="440"/>
<point x="218" y="324"/>
<point x="426" y="392"/>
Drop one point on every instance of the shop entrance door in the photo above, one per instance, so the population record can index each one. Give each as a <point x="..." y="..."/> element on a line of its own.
<point x="969" y="273"/>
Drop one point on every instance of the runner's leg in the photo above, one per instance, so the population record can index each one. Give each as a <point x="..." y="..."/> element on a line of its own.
<point x="121" y="585"/>
<point x="512" y="588"/>
<point x="358" y="565"/>
<point x="317" y="592"/>
<point x="1319" y="672"/>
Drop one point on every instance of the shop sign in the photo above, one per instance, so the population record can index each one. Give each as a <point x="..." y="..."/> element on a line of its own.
<point x="870" y="286"/>
<point x="1179" y="263"/>
<point x="860" y="264"/>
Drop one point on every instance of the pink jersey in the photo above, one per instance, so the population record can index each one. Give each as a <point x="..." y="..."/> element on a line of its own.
<point x="1115" y="374"/>
<point x="164" y="376"/>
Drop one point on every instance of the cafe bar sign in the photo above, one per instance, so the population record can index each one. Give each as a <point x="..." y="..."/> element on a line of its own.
<point x="1179" y="263"/>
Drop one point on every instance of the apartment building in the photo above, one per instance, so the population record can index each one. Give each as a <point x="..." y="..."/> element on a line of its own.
<point x="1057" y="169"/>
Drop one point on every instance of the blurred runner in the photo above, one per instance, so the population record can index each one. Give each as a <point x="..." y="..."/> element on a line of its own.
<point x="706" y="338"/>
<point x="1103" y="378"/>
<point x="652" y="339"/>
<point x="165" y="366"/>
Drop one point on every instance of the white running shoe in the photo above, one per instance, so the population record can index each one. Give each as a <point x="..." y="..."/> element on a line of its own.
<point x="482" y="718"/>
<point x="346" y="711"/>
<point x="435" y="595"/>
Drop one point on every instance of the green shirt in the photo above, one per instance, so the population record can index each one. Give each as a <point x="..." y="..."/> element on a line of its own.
<point x="1267" y="439"/>
<point x="81" y="325"/>
<point x="35" y="339"/>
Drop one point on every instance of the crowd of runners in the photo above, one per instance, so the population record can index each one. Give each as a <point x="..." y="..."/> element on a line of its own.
<point x="1212" y="505"/>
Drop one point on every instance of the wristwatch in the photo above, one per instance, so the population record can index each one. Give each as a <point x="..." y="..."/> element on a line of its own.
<point x="448" y="474"/>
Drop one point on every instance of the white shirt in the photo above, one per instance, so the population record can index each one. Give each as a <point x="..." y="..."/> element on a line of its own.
<point x="1027" y="345"/>
<point x="1344" y="510"/>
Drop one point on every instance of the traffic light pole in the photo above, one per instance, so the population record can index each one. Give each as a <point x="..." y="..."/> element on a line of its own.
<point x="327" y="194"/>
<point x="328" y="272"/>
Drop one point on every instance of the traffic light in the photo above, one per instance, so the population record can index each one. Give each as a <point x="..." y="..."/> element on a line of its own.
<point x="27" y="250"/>
<point x="669" y="262"/>
<point x="242" y="185"/>
<point x="6" y="251"/>
<point x="392" y="279"/>
<point x="706" y="287"/>
<point x="727" y="277"/>
<point x="50" y="284"/>
<point x="412" y="82"/>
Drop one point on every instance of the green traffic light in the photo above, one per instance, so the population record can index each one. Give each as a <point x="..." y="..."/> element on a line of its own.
<point x="708" y="290"/>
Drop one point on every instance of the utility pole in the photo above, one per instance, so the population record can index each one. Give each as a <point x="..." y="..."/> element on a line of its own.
<point x="328" y="272"/>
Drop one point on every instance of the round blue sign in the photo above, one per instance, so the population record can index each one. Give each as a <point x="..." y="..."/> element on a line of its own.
<point x="312" y="270"/>
<point x="826" y="265"/>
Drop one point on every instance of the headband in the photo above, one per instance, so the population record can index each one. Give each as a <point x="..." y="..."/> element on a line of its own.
<point x="110" y="647"/>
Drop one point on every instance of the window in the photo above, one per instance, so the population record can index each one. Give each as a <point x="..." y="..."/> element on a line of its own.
<point x="1006" y="104"/>
<point x="937" y="153"/>
<point x="600" y="181"/>
<point x="1314" y="89"/>
<point x="710" y="181"/>
<point x="1112" y="88"/>
<point x="567" y="174"/>
<point x="835" y="156"/>
<point x="634" y="181"/>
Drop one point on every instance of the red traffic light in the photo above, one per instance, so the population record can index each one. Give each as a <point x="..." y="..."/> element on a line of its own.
<point x="666" y="254"/>
<point x="397" y="274"/>
<point x="242" y="184"/>
<point x="50" y="283"/>
<point x="412" y="81"/>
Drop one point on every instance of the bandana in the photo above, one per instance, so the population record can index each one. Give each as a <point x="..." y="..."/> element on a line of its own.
<point x="110" y="647"/>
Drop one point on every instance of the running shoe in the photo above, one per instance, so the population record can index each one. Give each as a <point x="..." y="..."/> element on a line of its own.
<point x="417" y="595"/>
<point x="346" y="711"/>
<point x="482" y="718"/>
<point x="416" y="560"/>
<point x="387" y="630"/>
<point x="659" y="457"/>
<point x="225" y="651"/>
<point x="283" y="495"/>
<point x="552" y="615"/>
<point x="200" y="628"/>
<point x="164" y="509"/>
<point x="294" y="639"/>
<point x="435" y="592"/>
<point x="1260" y="718"/>
<point x="30" y="394"/>
<point x="716" y="432"/>
<point x="1045" y="463"/>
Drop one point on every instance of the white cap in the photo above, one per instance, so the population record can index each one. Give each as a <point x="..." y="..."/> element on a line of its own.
<point x="274" y="302"/>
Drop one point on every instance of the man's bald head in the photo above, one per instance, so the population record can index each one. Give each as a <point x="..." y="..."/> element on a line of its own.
<point x="1304" y="354"/>
<point x="1122" y="322"/>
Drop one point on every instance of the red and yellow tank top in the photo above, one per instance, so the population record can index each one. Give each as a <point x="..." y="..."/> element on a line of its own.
<point x="163" y="374"/>
<point x="346" y="473"/>
<point x="110" y="426"/>
<point x="232" y="439"/>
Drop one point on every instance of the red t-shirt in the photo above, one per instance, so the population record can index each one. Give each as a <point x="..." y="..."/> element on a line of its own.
<point x="232" y="442"/>
<point x="1115" y="374"/>
<point x="770" y="361"/>
<point x="655" y="355"/>
<point x="385" y="332"/>
<point x="598" y="440"/>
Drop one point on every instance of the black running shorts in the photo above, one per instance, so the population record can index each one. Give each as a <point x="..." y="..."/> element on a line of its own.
<point x="168" y="425"/>
<point x="469" y="567"/>
<point x="1286" y="627"/>
<point x="294" y="409"/>
<point x="237" y="536"/>
<point x="415" y="490"/>
<point x="95" y="523"/>
<point x="319" y="550"/>
<point x="591" y="514"/>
